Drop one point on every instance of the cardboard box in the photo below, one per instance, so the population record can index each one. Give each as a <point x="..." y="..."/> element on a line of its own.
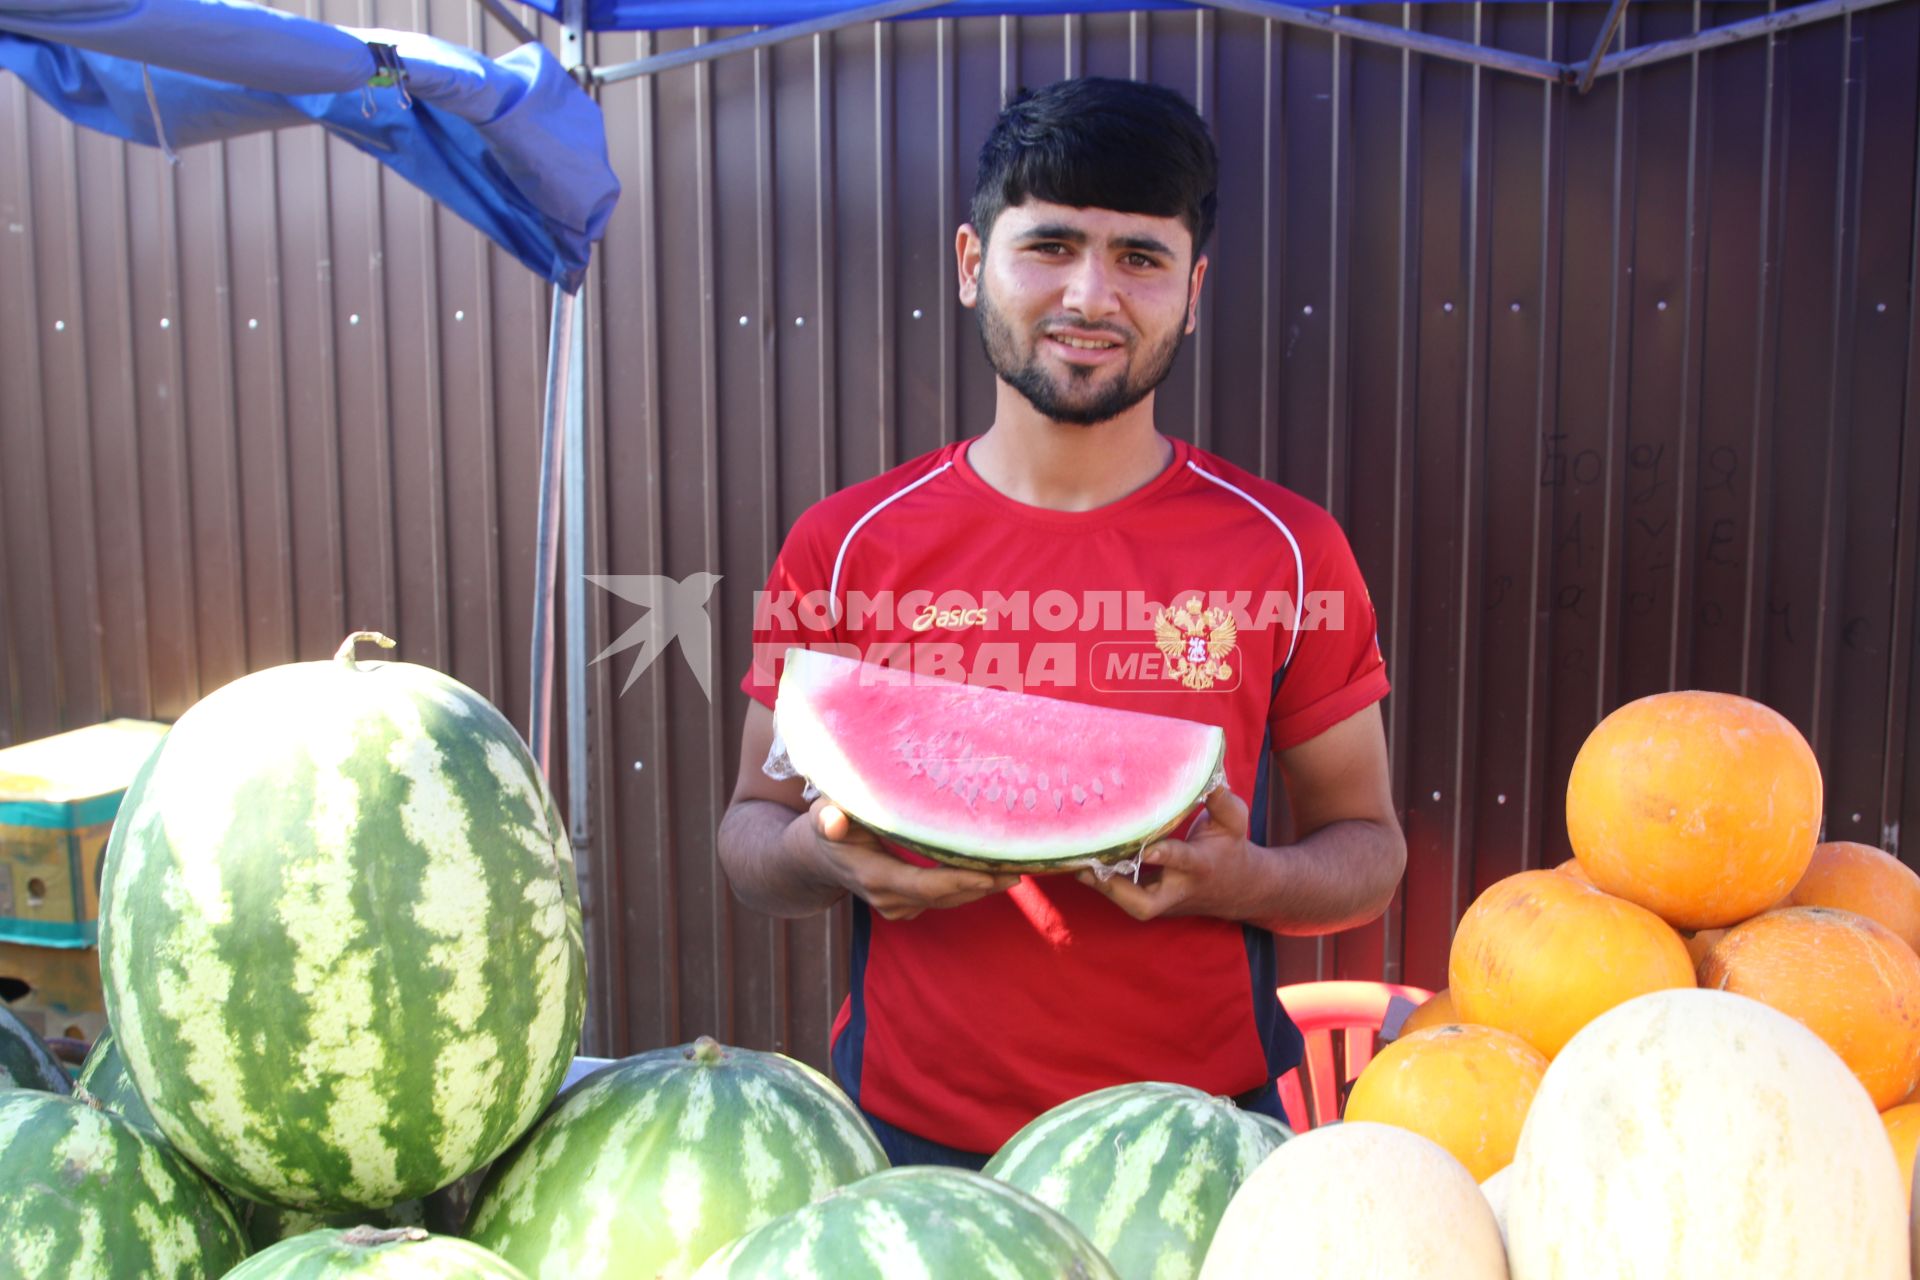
<point x="58" y="798"/>
<point x="54" y="990"/>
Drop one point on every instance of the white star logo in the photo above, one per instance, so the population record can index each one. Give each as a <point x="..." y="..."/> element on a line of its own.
<point x="671" y="610"/>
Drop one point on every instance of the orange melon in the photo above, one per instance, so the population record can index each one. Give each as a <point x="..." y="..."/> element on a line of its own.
<point x="1903" y="1130"/>
<point x="1702" y="807"/>
<point x="1847" y="978"/>
<point x="1698" y="944"/>
<point x="1541" y="954"/>
<point x="1467" y="1088"/>
<point x="1437" y="1011"/>
<point x="1862" y="879"/>
<point x="1571" y="867"/>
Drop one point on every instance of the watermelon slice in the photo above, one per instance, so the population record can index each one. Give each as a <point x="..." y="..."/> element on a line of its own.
<point x="981" y="777"/>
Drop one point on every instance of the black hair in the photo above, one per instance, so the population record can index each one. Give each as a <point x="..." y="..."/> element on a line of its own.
<point x="1096" y="143"/>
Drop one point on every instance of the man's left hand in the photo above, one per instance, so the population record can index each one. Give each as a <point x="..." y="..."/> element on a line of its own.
<point x="1212" y="872"/>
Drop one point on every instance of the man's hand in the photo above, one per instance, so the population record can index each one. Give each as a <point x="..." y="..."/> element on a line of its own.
<point x="1210" y="873"/>
<point x="851" y="857"/>
<point x="788" y="859"/>
<point x="1339" y="872"/>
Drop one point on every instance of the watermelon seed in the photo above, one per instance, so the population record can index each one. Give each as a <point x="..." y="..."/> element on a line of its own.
<point x="1043" y="782"/>
<point x="1080" y="793"/>
<point x="1098" y="789"/>
<point x="992" y="792"/>
<point x="1059" y="801"/>
<point x="1029" y="798"/>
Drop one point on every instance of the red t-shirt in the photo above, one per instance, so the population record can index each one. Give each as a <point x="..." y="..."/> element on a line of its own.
<point x="964" y="1024"/>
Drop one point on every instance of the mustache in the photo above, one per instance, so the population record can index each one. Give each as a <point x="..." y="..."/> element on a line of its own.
<point x="1049" y="327"/>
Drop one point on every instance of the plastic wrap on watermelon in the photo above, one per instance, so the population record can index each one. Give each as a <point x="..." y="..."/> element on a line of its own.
<point x="985" y="778"/>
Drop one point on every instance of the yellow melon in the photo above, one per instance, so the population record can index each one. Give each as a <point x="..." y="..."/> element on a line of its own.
<point x="1437" y="1011"/>
<point x="1701" y="807"/>
<point x="1358" y="1199"/>
<point x="1902" y="1124"/>
<point x="1571" y="867"/>
<point x="1495" y="1190"/>
<point x="1541" y="954"/>
<point x="1702" y="1134"/>
<point x="1465" y="1087"/>
<point x="1700" y="942"/>
<point x="1846" y="977"/>
<point x="1864" y="880"/>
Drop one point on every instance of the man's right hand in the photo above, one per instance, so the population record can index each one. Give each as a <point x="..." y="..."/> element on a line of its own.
<point x="787" y="862"/>
<point x="850" y="856"/>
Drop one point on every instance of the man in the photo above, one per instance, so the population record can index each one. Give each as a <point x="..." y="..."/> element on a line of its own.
<point x="981" y="1000"/>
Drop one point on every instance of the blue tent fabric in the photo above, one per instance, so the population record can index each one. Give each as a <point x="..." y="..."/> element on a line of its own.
<point x="513" y="146"/>
<point x="284" y="53"/>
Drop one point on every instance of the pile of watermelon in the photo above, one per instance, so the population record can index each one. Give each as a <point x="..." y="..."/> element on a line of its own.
<point x="341" y="945"/>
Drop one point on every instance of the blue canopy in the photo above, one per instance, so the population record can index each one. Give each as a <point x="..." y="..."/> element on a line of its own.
<point x="513" y="146"/>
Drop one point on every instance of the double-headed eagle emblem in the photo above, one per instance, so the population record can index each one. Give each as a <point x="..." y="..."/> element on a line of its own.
<point x="1195" y="643"/>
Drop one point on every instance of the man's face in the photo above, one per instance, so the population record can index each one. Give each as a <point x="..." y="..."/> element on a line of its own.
<point x="1081" y="310"/>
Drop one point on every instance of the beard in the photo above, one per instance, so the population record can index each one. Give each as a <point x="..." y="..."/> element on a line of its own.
<point x="1078" y="402"/>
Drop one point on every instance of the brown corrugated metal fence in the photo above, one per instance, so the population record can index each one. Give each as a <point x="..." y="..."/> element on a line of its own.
<point x="1613" y="394"/>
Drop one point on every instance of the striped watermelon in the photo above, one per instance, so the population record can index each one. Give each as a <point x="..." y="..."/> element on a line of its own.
<point x="105" y="1079"/>
<point x="374" y="1253"/>
<point x="1145" y="1170"/>
<point x="340" y="934"/>
<point x="85" y="1194"/>
<point x="925" y="1222"/>
<point x="25" y="1061"/>
<point x="649" y="1165"/>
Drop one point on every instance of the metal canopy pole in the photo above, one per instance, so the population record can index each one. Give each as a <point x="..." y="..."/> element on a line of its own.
<point x="505" y="18"/>
<point x="573" y="493"/>
<point x="760" y="39"/>
<point x="1520" y="64"/>
<point x="1607" y="32"/>
<point x="547" y="532"/>
<point x="1400" y="38"/>
<point x="1765" y="25"/>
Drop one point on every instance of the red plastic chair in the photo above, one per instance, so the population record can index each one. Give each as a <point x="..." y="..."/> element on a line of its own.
<point x="1313" y="1092"/>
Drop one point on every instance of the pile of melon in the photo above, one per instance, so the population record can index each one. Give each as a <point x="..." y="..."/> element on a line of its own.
<point x="1693" y="1049"/>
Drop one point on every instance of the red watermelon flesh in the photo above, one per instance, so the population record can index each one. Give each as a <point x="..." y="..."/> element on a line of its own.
<point x="982" y="777"/>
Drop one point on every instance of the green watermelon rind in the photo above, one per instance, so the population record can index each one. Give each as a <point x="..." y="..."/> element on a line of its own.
<point x="341" y="1254"/>
<point x="812" y="751"/>
<point x="85" y="1193"/>
<point x="928" y="1221"/>
<point x="710" y="1140"/>
<point x="1144" y="1170"/>
<point x="104" y="1078"/>
<point x="25" y="1060"/>
<point x="340" y="935"/>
